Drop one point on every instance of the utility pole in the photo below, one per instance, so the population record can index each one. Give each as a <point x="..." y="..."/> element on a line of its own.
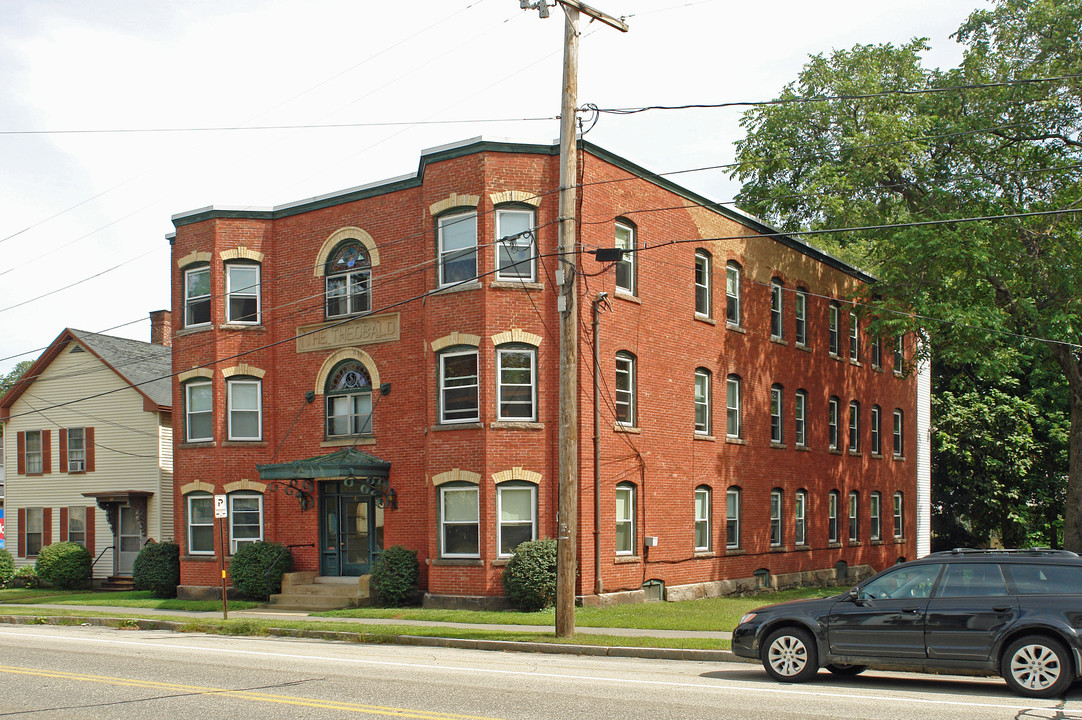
<point x="567" y="282"/>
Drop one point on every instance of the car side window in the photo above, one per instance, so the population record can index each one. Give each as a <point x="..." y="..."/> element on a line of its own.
<point x="1036" y="579"/>
<point x="904" y="582"/>
<point x="973" y="580"/>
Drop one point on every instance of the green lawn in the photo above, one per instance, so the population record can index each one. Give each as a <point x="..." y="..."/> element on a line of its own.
<point x="129" y="598"/>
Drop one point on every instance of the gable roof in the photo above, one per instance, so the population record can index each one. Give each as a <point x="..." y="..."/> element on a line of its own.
<point x="144" y="366"/>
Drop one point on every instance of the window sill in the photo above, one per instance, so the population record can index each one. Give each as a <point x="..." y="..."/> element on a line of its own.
<point x="734" y="552"/>
<point x="626" y="559"/>
<point x="802" y="548"/>
<point x="834" y="356"/>
<point x="834" y="545"/>
<point x="464" y="286"/>
<point x="899" y="540"/>
<point x="196" y="445"/>
<point x="245" y="443"/>
<point x="778" y="446"/>
<point x="778" y="340"/>
<point x="194" y="329"/>
<point x="625" y="295"/>
<point x="736" y="441"/>
<point x="856" y="543"/>
<point x="699" y="317"/>
<point x="836" y="451"/>
<point x="459" y="562"/>
<point x="704" y="438"/>
<point x="702" y="554"/>
<point x="876" y="542"/>
<point x="876" y="456"/>
<point x="630" y="429"/>
<point x="854" y="453"/>
<point x="899" y="458"/>
<point x="516" y="285"/>
<point x="501" y="561"/>
<point x="877" y="368"/>
<point x="855" y="363"/>
<point x="245" y="326"/>
<point x="778" y="549"/>
<point x="458" y="426"/>
<point x="803" y="348"/>
<point x="348" y="442"/>
<point x="735" y="328"/>
<point x="803" y="448"/>
<point x="201" y="557"/>
<point x="515" y="425"/>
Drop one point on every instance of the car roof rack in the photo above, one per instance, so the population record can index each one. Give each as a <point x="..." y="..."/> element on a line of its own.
<point x="1006" y="551"/>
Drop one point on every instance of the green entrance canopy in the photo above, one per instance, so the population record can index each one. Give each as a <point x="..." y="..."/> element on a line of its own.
<point x="368" y="474"/>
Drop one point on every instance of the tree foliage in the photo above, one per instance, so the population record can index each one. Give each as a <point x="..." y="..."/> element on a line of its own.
<point x="8" y="381"/>
<point x="870" y="138"/>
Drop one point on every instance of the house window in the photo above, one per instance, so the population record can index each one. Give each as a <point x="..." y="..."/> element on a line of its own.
<point x="702" y="401"/>
<point x="77" y="524"/>
<point x="776" y="304"/>
<point x="242" y="293"/>
<point x="899" y="528"/>
<point x="458" y="387"/>
<point x="76" y="450"/>
<point x="626" y="267"/>
<point x="832" y="516"/>
<point x="625" y="388"/>
<point x="34" y="533"/>
<point x="832" y="328"/>
<point x="197" y="412"/>
<point x="877" y="352"/>
<point x="800" y="301"/>
<point x="732" y="406"/>
<point x="516" y="251"/>
<point x="702" y="519"/>
<point x="245" y="399"/>
<point x="800" y="524"/>
<point x="348" y="280"/>
<point x="800" y="414"/>
<point x="245" y="520"/>
<point x="457" y="248"/>
<point x="349" y="401"/>
<point x="516" y="383"/>
<point x="776" y="435"/>
<point x="832" y="423"/>
<point x="854" y="518"/>
<point x="197" y="296"/>
<point x="775" y="518"/>
<point x="459" y="522"/>
<point x="516" y="507"/>
<point x="703" y="279"/>
<point x="200" y="524"/>
<point x="898" y="445"/>
<point x="875" y="421"/>
<point x="732" y="293"/>
<point x="35" y="464"/>
<point x="854" y="338"/>
<point x="874" y="525"/>
<point x="899" y="355"/>
<point x="625" y="519"/>
<point x="854" y="427"/>
<point x="732" y="518"/>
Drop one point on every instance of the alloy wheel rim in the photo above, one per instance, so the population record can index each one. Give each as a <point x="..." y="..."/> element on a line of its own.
<point x="1035" y="667"/>
<point x="788" y="656"/>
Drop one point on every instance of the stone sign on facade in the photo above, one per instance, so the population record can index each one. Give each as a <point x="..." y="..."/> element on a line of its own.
<point x="362" y="331"/>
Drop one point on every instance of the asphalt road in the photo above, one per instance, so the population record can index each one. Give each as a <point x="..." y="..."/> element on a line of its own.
<point x="94" y="672"/>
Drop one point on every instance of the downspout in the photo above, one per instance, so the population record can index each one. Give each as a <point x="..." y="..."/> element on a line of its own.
<point x="602" y="297"/>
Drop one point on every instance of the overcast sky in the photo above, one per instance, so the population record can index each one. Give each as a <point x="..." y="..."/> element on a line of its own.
<point x="84" y="215"/>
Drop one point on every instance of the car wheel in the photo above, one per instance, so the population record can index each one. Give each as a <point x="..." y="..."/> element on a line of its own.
<point x="789" y="655"/>
<point x="846" y="670"/>
<point x="1036" y="666"/>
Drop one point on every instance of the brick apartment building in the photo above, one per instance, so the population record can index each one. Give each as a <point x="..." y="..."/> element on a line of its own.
<point x="379" y="366"/>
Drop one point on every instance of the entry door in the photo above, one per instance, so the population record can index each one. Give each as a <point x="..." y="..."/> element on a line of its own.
<point x="128" y="540"/>
<point x="348" y="532"/>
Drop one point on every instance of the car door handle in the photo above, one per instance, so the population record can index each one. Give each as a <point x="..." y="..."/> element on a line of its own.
<point x="911" y="611"/>
<point x="1001" y="608"/>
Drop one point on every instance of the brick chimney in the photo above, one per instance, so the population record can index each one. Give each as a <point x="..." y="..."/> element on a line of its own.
<point x="161" y="327"/>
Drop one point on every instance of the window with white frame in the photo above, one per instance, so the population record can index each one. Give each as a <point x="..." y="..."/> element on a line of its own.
<point x="854" y="427"/>
<point x="198" y="406"/>
<point x="777" y="304"/>
<point x="877" y="352"/>
<point x="702" y="519"/>
<point x="854" y="338"/>
<point x="832" y="328"/>
<point x="77" y="524"/>
<point x="703" y="281"/>
<point x="732" y="293"/>
<point x="244" y="397"/>
<point x="625" y="519"/>
<point x="854" y="517"/>
<point x="875" y="420"/>
<point x="200" y="524"/>
<point x="732" y="406"/>
<point x="732" y="518"/>
<point x="800" y="519"/>
<point x="33" y="455"/>
<point x="516" y="383"/>
<point x="459" y="522"/>
<point x="348" y="395"/>
<point x="776" y="409"/>
<point x="899" y="446"/>
<point x="832" y="516"/>
<point x="625" y="389"/>
<point x="800" y="416"/>
<point x="34" y="534"/>
<point x="516" y="508"/>
<point x="800" y="301"/>
<point x="459" y="387"/>
<point x="245" y="520"/>
<point x="899" y="355"/>
<point x="197" y="296"/>
<point x="242" y="293"/>
<point x="516" y="248"/>
<point x="457" y="239"/>
<point x="702" y="401"/>
<point x="627" y="266"/>
<point x="875" y="528"/>
<point x="832" y="423"/>
<point x="899" y="527"/>
<point x="775" y="518"/>
<point x="348" y="280"/>
<point x="76" y="450"/>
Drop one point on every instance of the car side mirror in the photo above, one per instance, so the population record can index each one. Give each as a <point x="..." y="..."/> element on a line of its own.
<point x="853" y="596"/>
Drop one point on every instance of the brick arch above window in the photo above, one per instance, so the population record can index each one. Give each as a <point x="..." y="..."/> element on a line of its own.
<point x="241" y="253"/>
<point x="196" y="486"/>
<point x="456" y="475"/>
<point x="337" y="238"/>
<point x="193" y="258"/>
<point x="515" y="196"/>
<point x="517" y="474"/>
<point x="454" y="339"/>
<point x="246" y="485"/>
<point x="515" y="335"/>
<point x="346" y="354"/>
<point x="454" y="200"/>
<point x="195" y="373"/>
<point x="244" y="369"/>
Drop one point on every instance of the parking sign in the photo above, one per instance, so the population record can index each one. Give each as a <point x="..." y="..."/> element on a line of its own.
<point x="219" y="507"/>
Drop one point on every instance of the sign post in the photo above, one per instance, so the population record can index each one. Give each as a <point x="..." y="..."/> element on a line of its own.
<point x="221" y="512"/>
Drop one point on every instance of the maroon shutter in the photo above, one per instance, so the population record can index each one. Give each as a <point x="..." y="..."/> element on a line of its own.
<point x="63" y="524"/>
<point x="22" y="531"/>
<point x="90" y="529"/>
<point x="63" y="451"/>
<point x="46" y="526"/>
<point x="46" y="452"/>
<point x="88" y="449"/>
<point x="20" y="450"/>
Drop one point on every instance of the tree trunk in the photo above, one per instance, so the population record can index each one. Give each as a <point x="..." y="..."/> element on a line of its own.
<point x="1072" y="514"/>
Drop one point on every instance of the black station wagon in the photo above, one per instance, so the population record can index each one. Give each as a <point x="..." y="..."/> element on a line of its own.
<point x="1014" y="613"/>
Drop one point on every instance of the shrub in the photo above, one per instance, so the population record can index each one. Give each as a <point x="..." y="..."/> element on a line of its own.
<point x="529" y="579"/>
<point x="7" y="567"/>
<point x="157" y="569"/>
<point x="394" y="577"/>
<point x="65" y="565"/>
<point x="257" y="568"/>
<point x="26" y="577"/>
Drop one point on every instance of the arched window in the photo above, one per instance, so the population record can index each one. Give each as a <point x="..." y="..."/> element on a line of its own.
<point x="348" y="276"/>
<point x="703" y="282"/>
<point x="875" y="512"/>
<point x="732" y="294"/>
<point x="777" y="436"/>
<point x="702" y="401"/>
<point x="627" y="267"/>
<point x="625" y="519"/>
<point x="777" y="326"/>
<point x="775" y="517"/>
<point x="732" y="406"/>
<point x="732" y="517"/>
<point x="625" y="389"/>
<point x="800" y="517"/>
<point x="832" y="516"/>
<point x="702" y="518"/>
<point x="349" y="401"/>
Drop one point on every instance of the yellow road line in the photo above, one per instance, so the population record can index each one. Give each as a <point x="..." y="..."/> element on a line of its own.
<point x="243" y="695"/>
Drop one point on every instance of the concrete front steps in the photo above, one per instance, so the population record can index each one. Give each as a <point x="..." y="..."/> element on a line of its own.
<point x="311" y="592"/>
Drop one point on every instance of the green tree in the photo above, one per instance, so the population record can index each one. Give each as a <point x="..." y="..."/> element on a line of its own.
<point x="886" y="142"/>
<point x="8" y="381"/>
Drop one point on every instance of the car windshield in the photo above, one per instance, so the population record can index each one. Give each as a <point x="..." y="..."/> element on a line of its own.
<point x="904" y="582"/>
